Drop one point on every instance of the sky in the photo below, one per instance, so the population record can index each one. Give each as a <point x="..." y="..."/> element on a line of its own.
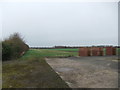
<point x="61" y="23"/>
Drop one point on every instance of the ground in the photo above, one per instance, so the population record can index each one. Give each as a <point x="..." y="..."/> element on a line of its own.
<point x="87" y="72"/>
<point x="31" y="70"/>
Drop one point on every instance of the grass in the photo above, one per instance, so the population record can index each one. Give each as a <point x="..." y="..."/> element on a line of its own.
<point x="66" y="49"/>
<point x="48" y="53"/>
<point x="32" y="71"/>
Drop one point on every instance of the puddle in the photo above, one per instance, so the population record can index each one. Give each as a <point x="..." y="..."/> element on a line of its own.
<point x="65" y="69"/>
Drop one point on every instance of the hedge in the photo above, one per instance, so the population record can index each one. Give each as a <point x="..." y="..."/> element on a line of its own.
<point x="13" y="47"/>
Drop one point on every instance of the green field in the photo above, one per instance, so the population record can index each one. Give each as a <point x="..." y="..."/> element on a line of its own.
<point x="49" y="53"/>
<point x="66" y="49"/>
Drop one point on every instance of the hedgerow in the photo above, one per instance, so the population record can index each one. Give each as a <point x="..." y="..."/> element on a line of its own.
<point x="13" y="47"/>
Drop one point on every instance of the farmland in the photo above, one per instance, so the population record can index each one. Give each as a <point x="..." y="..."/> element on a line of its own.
<point x="50" y="53"/>
<point x="67" y="49"/>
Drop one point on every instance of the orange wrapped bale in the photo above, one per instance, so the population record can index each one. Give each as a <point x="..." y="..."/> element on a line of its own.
<point x="84" y="51"/>
<point x="109" y="50"/>
<point x="97" y="51"/>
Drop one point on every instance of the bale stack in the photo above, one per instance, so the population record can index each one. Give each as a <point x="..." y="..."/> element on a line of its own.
<point x="114" y="51"/>
<point x="109" y="51"/>
<point x="84" y="51"/>
<point x="101" y="51"/>
<point x="97" y="51"/>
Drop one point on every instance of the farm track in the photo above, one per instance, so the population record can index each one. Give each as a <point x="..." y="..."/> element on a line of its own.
<point x="87" y="72"/>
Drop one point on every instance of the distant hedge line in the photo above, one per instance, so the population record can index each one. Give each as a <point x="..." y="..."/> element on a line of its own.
<point x="13" y="47"/>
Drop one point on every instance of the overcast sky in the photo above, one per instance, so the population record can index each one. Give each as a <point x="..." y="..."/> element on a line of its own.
<point x="50" y="24"/>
